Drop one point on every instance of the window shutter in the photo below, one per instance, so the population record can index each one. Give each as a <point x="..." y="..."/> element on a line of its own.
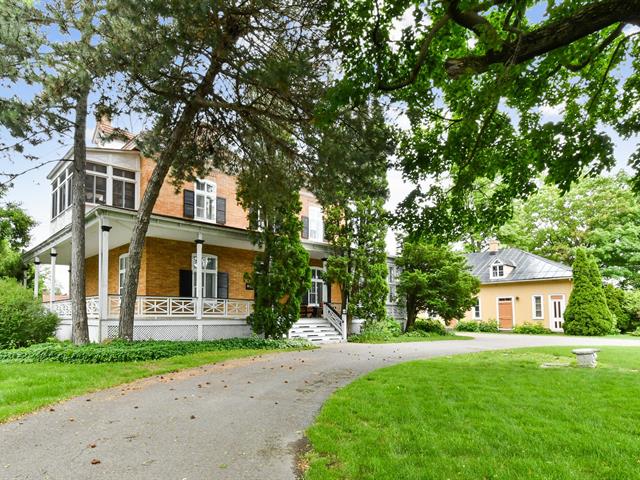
<point x="221" y="210"/>
<point x="223" y="285"/>
<point x="305" y="227"/>
<point x="305" y="298"/>
<point x="186" y="283"/>
<point x="328" y="292"/>
<point x="189" y="201"/>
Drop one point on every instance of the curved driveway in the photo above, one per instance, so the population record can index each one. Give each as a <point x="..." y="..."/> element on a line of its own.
<point x="238" y="420"/>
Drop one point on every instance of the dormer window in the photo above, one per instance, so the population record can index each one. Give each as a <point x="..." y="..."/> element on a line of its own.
<point x="497" y="269"/>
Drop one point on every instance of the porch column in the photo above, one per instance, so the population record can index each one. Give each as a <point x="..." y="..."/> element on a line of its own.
<point x="103" y="271"/>
<point x="36" y="277"/>
<point x="199" y="279"/>
<point x="325" y="288"/>
<point x="52" y="287"/>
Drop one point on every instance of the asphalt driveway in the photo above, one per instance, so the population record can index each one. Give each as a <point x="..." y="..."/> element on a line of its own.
<point x="243" y="419"/>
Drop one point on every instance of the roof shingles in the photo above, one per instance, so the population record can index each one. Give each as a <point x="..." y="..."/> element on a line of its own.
<point x="527" y="266"/>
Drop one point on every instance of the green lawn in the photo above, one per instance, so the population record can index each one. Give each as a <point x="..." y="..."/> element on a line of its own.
<point x="404" y="339"/>
<point x="27" y="387"/>
<point x="494" y="415"/>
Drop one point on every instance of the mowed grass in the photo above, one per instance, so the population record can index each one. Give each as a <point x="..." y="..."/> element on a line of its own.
<point x="491" y="415"/>
<point x="27" y="387"/>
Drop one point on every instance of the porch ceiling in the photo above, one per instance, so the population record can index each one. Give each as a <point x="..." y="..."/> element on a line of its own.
<point x="169" y="228"/>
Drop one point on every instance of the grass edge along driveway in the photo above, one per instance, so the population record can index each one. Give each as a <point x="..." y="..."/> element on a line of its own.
<point x="26" y="387"/>
<point x="492" y="415"/>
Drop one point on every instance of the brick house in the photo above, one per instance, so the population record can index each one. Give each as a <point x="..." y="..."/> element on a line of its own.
<point x="201" y="224"/>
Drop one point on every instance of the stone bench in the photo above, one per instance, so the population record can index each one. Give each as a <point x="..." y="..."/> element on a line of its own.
<point x="586" y="357"/>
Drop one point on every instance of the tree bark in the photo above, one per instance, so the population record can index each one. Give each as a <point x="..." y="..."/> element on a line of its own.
<point x="412" y="313"/>
<point x="127" y="309"/>
<point x="589" y="19"/>
<point x="79" y="324"/>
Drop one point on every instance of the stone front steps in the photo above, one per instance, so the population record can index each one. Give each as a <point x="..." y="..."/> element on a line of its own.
<point x="315" y="330"/>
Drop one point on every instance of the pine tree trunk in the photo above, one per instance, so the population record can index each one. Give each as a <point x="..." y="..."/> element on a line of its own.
<point x="160" y="172"/>
<point x="79" y="325"/>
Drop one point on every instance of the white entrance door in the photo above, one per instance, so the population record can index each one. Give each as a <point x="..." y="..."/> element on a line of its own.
<point x="556" y="313"/>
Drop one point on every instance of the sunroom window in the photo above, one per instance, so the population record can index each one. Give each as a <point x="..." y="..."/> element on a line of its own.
<point x="205" y="200"/>
<point x="124" y="188"/>
<point x="96" y="184"/>
<point x="61" y="193"/>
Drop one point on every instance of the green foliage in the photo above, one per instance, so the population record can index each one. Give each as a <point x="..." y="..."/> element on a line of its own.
<point x="381" y="330"/>
<point x="636" y="332"/>
<point x="616" y="298"/>
<point x="269" y="191"/>
<point x="479" y="110"/>
<point x="587" y="312"/>
<point x="349" y="179"/>
<point x="430" y="325"/>
<point x="601" y="214"/>
<point x="490" y="326"/>
<point x="23" y="319"/>
<point x="121" y="351"/>
<point x="436" y="279"/>
<point x="632" y="309"/>
<point x="532" y="329"/>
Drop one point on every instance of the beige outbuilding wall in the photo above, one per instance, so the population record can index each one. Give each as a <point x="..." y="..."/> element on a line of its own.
<point x="522" y="294"/>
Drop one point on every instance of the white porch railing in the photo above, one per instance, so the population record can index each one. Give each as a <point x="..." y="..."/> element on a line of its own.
<point x="63" y="308"/>
<point x="155" y="307"/>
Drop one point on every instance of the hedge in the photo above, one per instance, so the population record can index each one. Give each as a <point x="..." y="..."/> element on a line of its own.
<point x="121" y="351"/>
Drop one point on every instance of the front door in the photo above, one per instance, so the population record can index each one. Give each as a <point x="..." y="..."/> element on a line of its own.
<point x="556" y="304"/>
<point x="505" y="313"/>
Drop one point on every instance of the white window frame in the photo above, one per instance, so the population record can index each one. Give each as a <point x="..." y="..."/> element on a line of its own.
<point x="317" y="286"/>
<point x="392" y="282"/>
<point x="59" y="183"/>
<point x="316" y="224"/>
<point x="211" y="196"/>
<point x="125" y="180"/>
<point x="477" y="310"/>
<point x="533" y="307"/>
<point x="498" y="265"/>
<point x="205" y="258"/>
<point x="122" y="271"/>
<point x="106" y="176"/>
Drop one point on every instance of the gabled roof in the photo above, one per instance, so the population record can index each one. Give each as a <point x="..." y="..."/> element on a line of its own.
<point x="526" y="266"/>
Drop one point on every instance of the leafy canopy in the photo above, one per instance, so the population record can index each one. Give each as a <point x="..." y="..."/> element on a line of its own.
<point x="601" y="214"/>
<point x="475" y="80"/>
<point x="436" y="279"/>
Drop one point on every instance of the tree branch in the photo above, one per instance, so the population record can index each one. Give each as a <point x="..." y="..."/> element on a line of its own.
<point x="587" y="20"/>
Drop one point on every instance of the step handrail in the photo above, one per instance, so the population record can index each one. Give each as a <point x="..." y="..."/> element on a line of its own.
<point x="334" y="318"/>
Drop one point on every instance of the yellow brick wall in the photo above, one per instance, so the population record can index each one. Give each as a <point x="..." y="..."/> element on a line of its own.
<point x="163" y="259"/>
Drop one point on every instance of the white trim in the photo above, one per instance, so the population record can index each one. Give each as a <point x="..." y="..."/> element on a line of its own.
<point x="122" y="271"/>
<point x="533" y="306"/>
<point x="497" y="263"/>
<point x="207" y="196"/>
<point x="319" y="271"/>
<point x="562" y="307"/>
<point x="513" y="311"/>
<point x="316" y="224"/>
<point x="205" y="271"/>
<point x="473" y="310"/>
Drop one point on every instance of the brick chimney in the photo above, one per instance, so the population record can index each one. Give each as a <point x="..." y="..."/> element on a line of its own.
<point x="494" y="245"/>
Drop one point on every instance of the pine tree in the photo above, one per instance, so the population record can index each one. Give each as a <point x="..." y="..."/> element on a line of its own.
<point x="587" y="312"/>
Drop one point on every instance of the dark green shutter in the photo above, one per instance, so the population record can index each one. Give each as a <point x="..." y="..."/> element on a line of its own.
<point x="189" y="204"/>
<point x="223" y="285"/>
<point x="221" y="210"/>
<point x="186" y="283"/>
